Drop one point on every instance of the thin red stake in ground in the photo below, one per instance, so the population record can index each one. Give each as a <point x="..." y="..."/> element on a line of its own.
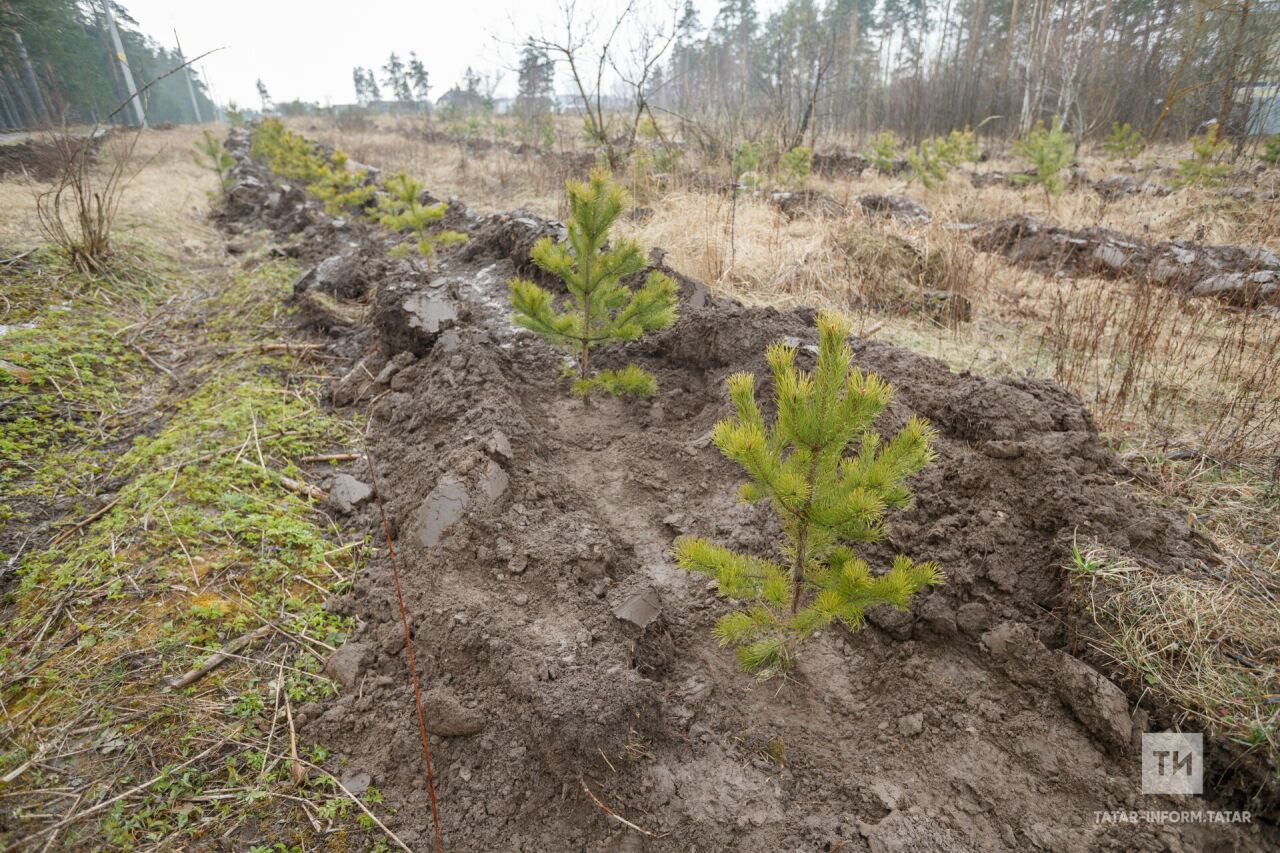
<point x="408" y="644"/>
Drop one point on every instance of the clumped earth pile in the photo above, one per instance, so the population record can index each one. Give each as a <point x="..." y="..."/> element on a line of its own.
<point x="560" y="649"/>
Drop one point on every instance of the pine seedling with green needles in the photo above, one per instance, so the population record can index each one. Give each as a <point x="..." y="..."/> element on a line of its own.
<point x="216" y="159"/>
<point x="1122" y="141"/>
<point x="956" y="147"/>
<point x="601" y="309"/>
<point x="925" y="165"/>
<point x="1271" y="150"/>
<point x="400" y="210"/>
<point x="745" y="163"/>
<point x="794" y="167"/>
<point x="884" y="151"/>
<point x="826" y="501"/>
<point x="1049" y="150"/>
<point x="1200" y="168"/>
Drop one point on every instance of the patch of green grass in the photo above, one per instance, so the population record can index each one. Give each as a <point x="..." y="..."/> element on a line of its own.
<point x="204" y="543"/>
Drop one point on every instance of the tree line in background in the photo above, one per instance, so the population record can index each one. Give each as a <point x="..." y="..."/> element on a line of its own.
<point x="924" y="67"/>
<point x="58" y="66"/>
<point x="1161" y="69"/>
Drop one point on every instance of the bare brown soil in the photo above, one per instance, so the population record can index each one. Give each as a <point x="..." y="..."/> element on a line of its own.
<point x="560" y="649"/>
<point x="39" y="159"/>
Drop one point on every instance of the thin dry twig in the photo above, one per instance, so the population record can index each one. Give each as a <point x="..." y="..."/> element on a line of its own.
<point x="622" y="820"/>
<point x="295" y="766"/>
<point x="413" y="670"/>
<point x="290" y="483"/>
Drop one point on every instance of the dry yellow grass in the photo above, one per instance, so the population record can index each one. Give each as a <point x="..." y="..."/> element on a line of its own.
<point x="165" y="202"/>
<point x="1212" y="647"/>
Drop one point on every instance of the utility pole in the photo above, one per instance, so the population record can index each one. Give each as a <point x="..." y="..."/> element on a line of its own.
<point x="124" y="65"/>
<point x="42" y="112"/>
<point x="191" y="87"/>
<point x="217" y="111"/>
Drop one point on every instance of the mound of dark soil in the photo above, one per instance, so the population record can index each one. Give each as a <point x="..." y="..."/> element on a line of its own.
<point x="560" y="648"/>
<point x="839" y="164"/>
<point x="40" y="159"/>
<point x="1240" y="275"/>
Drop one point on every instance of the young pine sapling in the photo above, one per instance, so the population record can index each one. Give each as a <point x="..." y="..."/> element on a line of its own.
<point x="925" y="164"/>
<point x="1271" y="150"/>
<point x="958" y="146"/>
<point x="824" y="499"/>
<point x="794" y="167"/>
<point x="1201" y="167"/>
<point x="744" y="165"/>
<point x="1122" y="141"/>
<point x="216" y="159"/>
<point x="884" y="152"/>
<point x="1049" y="150"/>
<point x="601" y="309"/>
<point x="930" y="162"/>
<point x="400" y="210"/>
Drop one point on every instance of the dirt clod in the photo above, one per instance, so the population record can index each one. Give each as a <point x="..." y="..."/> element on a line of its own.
<point x="1241" y="275"/>
<point x="346" y="493"/>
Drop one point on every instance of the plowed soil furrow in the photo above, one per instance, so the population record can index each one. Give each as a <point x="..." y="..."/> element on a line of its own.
<point x="532" y="533"/>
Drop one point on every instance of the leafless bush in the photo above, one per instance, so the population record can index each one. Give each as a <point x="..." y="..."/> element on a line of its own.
<point x="78" y="211"/>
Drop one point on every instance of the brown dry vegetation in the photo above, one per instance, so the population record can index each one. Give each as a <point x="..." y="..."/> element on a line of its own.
<point x="165" y="200"/>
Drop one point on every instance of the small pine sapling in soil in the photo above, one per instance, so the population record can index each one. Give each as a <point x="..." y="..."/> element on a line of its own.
<point x="1122" y="141"/>
<point x="926" y="165"/>
<point x="1271" y="150"/>
<point x="745" y="163"/>
<point x="1049" y="150"/>
<point x="958" y="146"/>
<point x="216" y="159"/>
<point x="794" y="167"/>
<point x="400" y="210"/>
<point x="826" y="500"/>
<point x="1200" y="168"/>
<point x="884" y="152"/>
<point x="601" y="309"/>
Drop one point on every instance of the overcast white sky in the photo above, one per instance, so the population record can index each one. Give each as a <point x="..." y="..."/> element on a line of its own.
<point x="307" y="49"/>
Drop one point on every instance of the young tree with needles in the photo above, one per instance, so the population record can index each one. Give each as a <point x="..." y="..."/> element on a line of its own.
<point x="602" y="309"/>
<point x="826" y="500"/>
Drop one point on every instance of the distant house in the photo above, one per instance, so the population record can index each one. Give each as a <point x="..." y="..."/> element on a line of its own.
<point x="571" y="102"/>
<point x="462" y="99"/>
<point x="1263" y="101"/>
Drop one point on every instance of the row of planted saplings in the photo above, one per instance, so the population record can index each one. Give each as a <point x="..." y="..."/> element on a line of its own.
<point x="826" y="473"/>
<point x="326" y="176"/>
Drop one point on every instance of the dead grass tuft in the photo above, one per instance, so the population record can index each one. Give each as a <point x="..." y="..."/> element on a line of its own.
<point x="752" y="252"/>
<point x="1210" y="644"/>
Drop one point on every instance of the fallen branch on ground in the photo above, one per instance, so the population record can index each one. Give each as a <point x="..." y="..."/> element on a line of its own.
<point x="218" y="658"/>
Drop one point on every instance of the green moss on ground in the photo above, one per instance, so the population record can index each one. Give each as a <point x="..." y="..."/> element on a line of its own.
<point x="149" y="399"/>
